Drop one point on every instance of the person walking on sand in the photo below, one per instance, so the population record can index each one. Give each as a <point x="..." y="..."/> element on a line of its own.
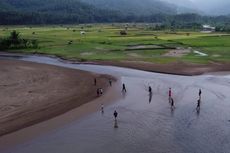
<point x="95" y="81"/>
<point x="123" y="88"/>
<point x="101" y="91"/>
<point x="115" y="114"/>
<point x="110" y="82"/>
<point x="98" y="92"/>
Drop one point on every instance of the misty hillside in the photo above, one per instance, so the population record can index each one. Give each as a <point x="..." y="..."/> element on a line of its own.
<point x="137" y="7"/>
<point x="92" y="11"/>
<point x="184" y="6"/>
<point x="125" y="7"/>
<point x="43" y="6"/>
<point x="51" y="11"/>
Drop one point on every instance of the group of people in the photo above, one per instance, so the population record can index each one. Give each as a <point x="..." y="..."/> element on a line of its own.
<point x="100" y="90"/>
<point x="171" y="100"/>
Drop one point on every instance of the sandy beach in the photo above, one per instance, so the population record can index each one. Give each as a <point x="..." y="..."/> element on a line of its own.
<point x="31" y="92"/>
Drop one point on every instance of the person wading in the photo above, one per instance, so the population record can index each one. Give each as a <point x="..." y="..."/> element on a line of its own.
<point x="172" y="103"/>
<point x="170" y="95"/>
<point x="102" y="108"/>
<point x="200" y="92"/>
<point x="198" y="104"/>
<point x="150" y="90"/>
<point x="115" y="114"/>
<point x="123" y="88"/>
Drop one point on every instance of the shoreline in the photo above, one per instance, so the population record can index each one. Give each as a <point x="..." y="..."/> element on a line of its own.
<point x="32" y="93"/>
<point x="174" y="68"/>
<point x="50" y="125"/>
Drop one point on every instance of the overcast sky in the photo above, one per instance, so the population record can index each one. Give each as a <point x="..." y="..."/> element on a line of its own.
<point x="211" y="2"/>
<point x="212" y="6"/>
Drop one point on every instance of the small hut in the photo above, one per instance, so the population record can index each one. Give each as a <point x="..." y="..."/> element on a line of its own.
<point x="208" y="28"/>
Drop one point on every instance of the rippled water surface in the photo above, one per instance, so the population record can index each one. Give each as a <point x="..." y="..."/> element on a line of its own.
<point x="145" y="124"/>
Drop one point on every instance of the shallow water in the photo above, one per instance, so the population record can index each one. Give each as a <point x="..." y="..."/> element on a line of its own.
<point x="145" y="124"/>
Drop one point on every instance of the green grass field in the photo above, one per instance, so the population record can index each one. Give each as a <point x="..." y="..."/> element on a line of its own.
<point x="104" y="42"/>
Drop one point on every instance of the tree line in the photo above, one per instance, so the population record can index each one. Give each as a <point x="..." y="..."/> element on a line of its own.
<point x="104" y="16"/>
<point x="14" y="41"/>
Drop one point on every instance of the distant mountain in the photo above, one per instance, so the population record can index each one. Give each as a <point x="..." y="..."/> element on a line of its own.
<point x="91" y="11"/>
<point x="136" y="7"/>
<point x="51" y="11"/>
<point x="43" y="6"/>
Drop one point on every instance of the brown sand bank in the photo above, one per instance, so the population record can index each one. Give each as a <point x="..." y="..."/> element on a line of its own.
<point x="178" y="68"/>
<point x="31" y="92"/>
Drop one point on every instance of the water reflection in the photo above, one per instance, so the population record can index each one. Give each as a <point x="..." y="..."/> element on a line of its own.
<point x="115" y="124"/>
<point x="150" y="97"/>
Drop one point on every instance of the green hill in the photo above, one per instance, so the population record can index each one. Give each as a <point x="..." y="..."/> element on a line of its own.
<point x="51" y="11"/>
<point x="136" y="7"/>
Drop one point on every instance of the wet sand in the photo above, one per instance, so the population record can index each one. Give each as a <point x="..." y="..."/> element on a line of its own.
<point x="31" y="92"/>
<point x="177" y="68"/>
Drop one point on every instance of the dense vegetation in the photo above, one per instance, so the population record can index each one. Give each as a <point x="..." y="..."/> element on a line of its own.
<point x="14" y="41"/>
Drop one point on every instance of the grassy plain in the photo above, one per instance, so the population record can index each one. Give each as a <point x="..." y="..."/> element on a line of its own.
<point x="104" y="42"/>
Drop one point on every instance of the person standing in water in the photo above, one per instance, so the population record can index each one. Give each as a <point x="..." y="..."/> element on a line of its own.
<point x="115" y="114"/>
<point x="170" y="95"/>
<point x="150" y="90"/>
<point x="123" y="88"/>
<point x="198" y="104"/>
<point x="172" y="103"/>
<point x="102" y="108"/>
<point x="115" y="121"/>
<point x="200" y="92"/>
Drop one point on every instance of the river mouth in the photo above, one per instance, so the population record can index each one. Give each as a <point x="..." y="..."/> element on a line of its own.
<point x="145" y="123"/>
